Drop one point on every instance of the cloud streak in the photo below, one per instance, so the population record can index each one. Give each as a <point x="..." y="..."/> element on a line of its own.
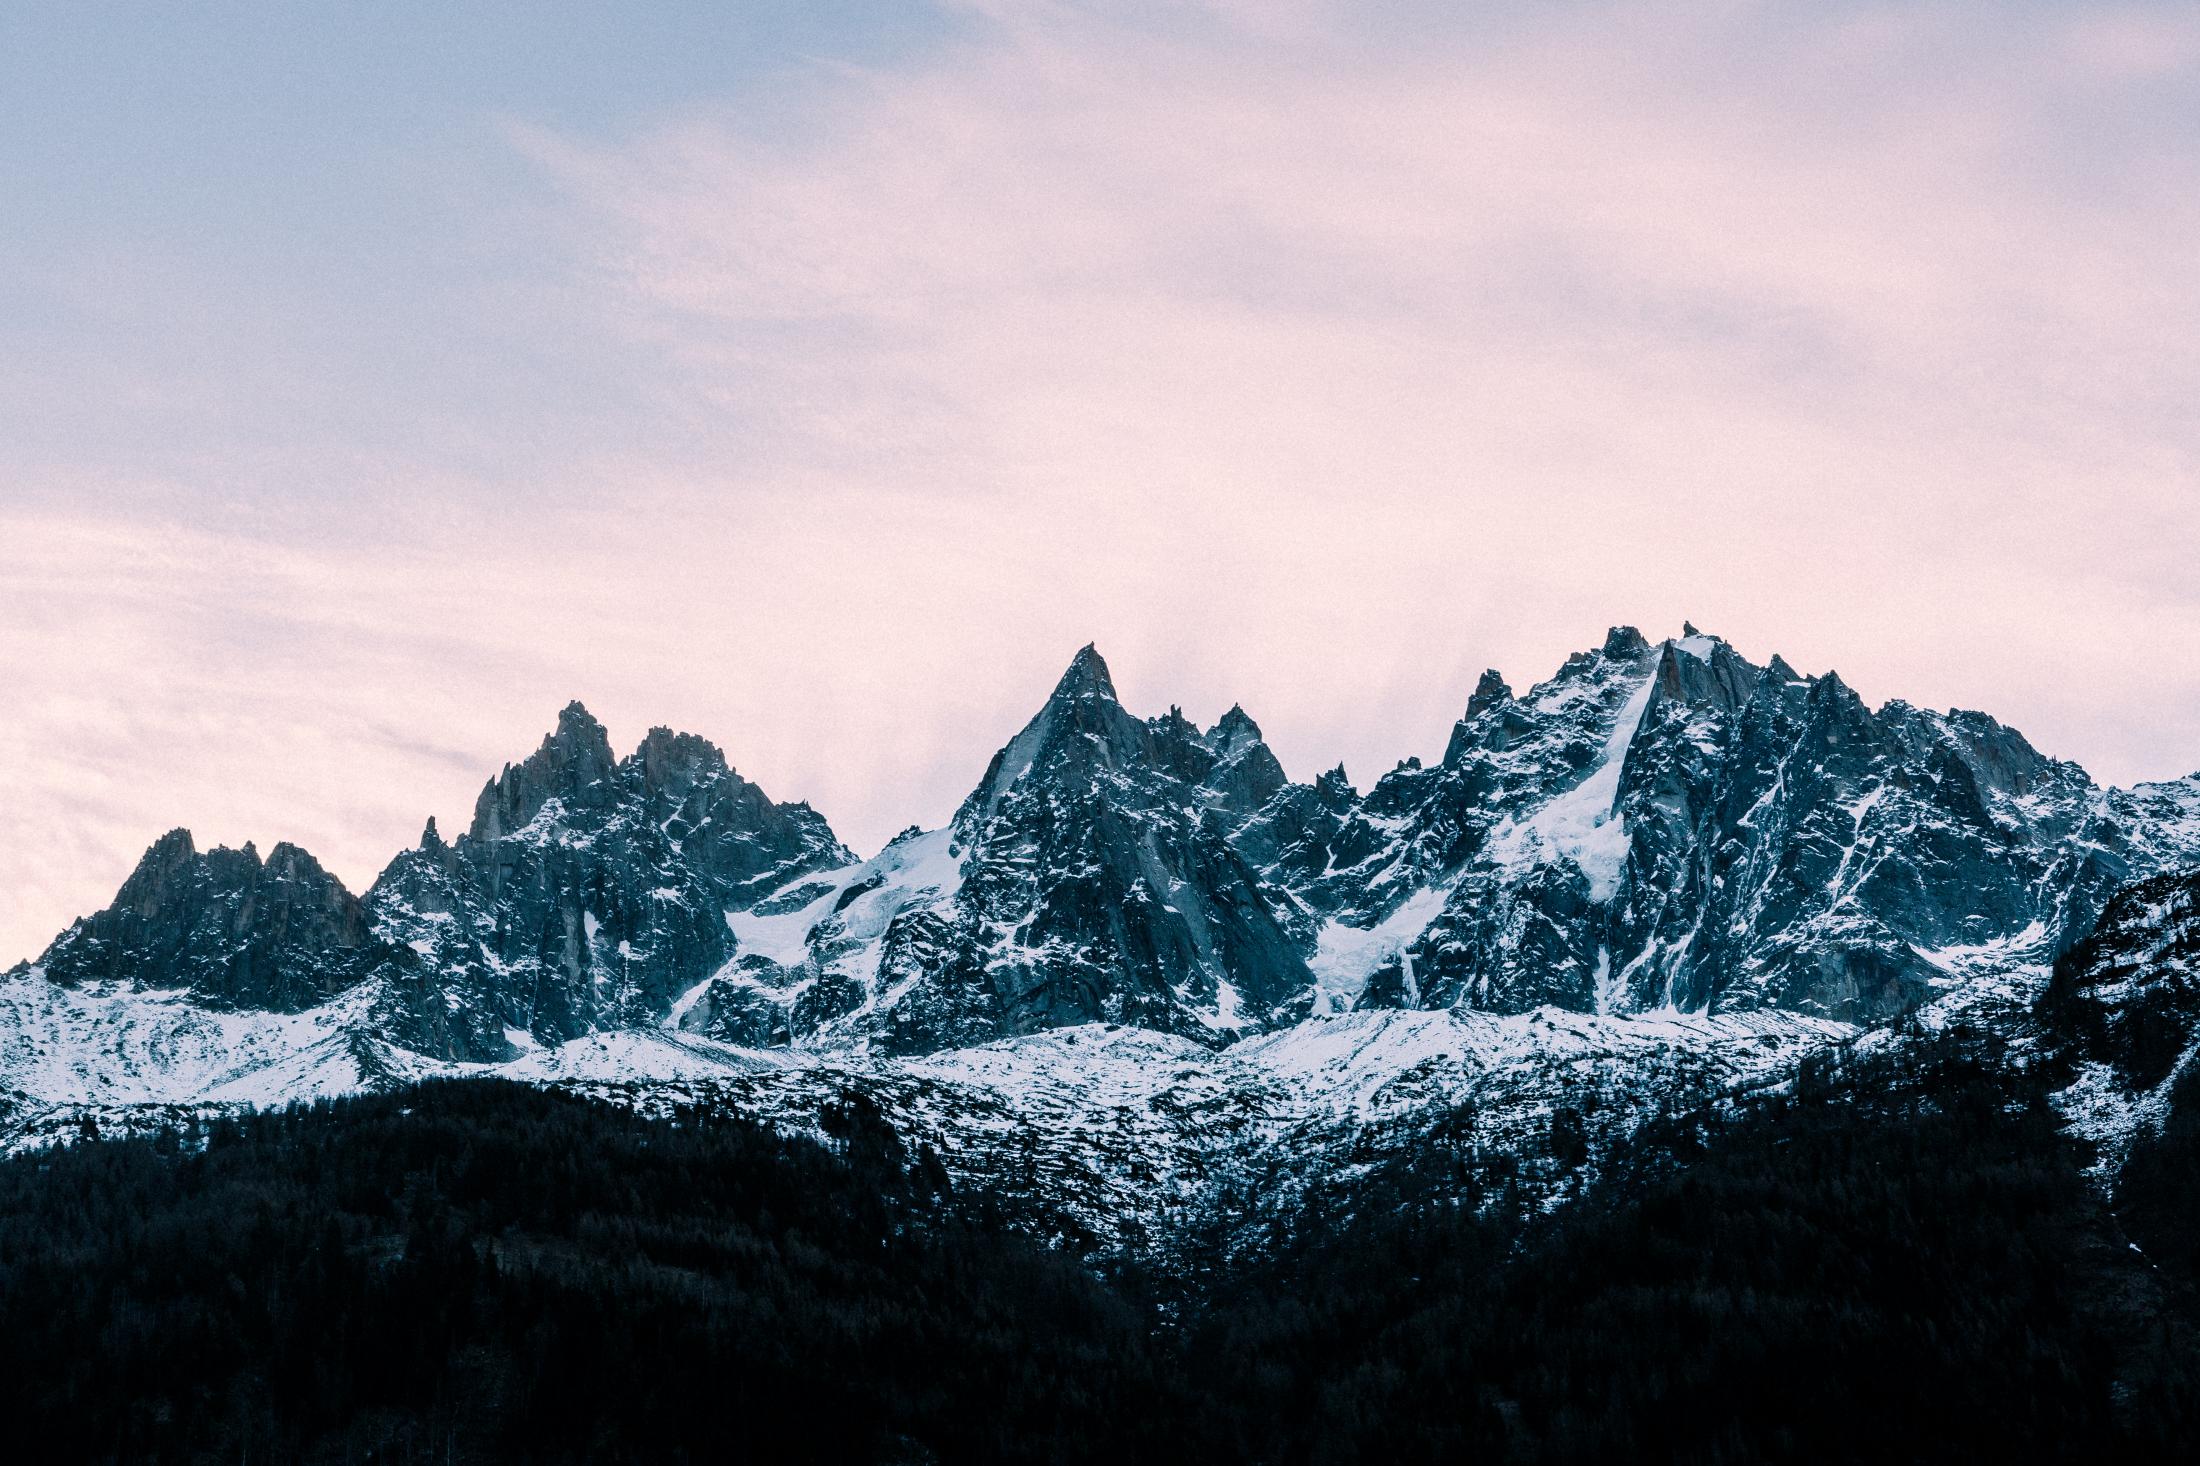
<point x="1869" y="332"/>
<point x="1300" y="361"/>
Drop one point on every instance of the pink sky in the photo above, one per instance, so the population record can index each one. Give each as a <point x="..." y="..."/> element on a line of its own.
<point x="1296" y="365"/>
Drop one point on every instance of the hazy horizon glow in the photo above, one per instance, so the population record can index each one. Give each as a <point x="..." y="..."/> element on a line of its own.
<point x="818" y="381"/>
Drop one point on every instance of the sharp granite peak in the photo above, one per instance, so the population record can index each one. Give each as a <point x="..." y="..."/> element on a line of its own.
<point x="1663" y="843"/>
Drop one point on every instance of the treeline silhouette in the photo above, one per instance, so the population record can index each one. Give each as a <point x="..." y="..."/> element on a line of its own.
<point x="482" y="1271"/>
<point x="1900" y="1262"/>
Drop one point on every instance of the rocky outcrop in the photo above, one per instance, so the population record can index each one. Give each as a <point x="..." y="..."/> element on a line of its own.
<point x="590" y="892"/>
<point x="2127" y="998"/>
<point x="724" y="827"/>
<point x="2121" y="1018"/>
<point x="1090" y="875"/>
<point x="1672" y="826"/>
<point x="235" y="930"/>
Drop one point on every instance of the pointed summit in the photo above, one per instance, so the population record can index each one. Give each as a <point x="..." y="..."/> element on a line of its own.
<point x="282" y="935"/>
<point x="1095" y="879"/>
<point x="578" y="739"/>
<point x="1087" y="676"/>
<point x="1233" y="733"/>
<point x="289" y="862"/>
<point x="674" y="763"/>
<point x="1491" y="692"/>
<point x="1838" y="714"/>
<point x="1702" y="670"/>
<point x="724" y="827"/>
<point x="1488" y="693"/>
<point x="1245" y="771"/>
<point x="574" y="764"/>
<point x="1080" y="721"/>
<point x="176" y="845"/>
<point x="162" y="864"/>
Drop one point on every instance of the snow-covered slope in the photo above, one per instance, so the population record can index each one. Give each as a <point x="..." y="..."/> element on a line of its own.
<point x="1123" y="1137"/>
<point x="813" y="959"/>
<point x="1088" y="876"/>
<point x="589" y="892"/>
<point x="2124" y="1008"/>
<point x="1671" y="825"/>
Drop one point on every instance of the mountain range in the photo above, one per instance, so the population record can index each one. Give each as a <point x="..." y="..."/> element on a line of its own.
<point x="1145" y="969"/>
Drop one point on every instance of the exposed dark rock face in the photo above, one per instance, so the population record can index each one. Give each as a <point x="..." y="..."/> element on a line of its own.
<point x="1316" y="844"/>
<point x="237" y="931"/>
<point x="1245" y="773"/>
<point x="1658" y="826"/>
<point x="591" y="892"/>
<point x="1090" y="875"/>
<point x="2127" y="998"/>
<point x="1098" y="883"/>
<point x="722" y="825"/>
<point x="2121" y="1019"/>
<point x="426" y="903"/>
<point x="1671" y="825"/>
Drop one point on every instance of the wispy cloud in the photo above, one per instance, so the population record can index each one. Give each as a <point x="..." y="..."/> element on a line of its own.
<point x="1868" y="329"/>
<point x="1299" y="358"/>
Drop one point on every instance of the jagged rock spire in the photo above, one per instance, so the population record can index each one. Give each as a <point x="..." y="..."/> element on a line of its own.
<point x="1488" y="692"/>
<point x="236" y="930"/>
<point x="1081" y="722"/>
<point x="1086" y="676"/>
<point x="574" y="764"/>
<point x="1097" y="880"/>
<point x="1233" y="733"/>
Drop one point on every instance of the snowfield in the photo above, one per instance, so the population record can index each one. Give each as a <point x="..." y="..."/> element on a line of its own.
<point x="1123" y="1136"/>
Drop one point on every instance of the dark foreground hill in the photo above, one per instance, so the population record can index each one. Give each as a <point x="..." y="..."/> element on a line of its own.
<point x="1900" y="1265"/>
<point x="478" y="1271"/>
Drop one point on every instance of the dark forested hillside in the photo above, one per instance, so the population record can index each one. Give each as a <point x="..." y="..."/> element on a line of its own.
<point x="478" y="1271"/>
<point x="1900" y="1265"/>
<point x="1904" y="1264"/>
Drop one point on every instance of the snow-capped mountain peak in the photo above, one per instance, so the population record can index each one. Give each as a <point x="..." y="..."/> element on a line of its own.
<point x="574" y="766"/>
<point x="1141" y="955"/>
<point x="1657" y="828"/>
